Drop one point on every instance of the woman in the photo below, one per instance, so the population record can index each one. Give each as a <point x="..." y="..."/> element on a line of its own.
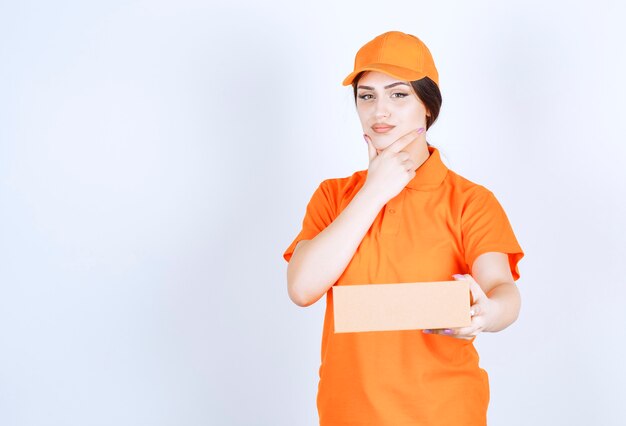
<point x="407" y="218"/>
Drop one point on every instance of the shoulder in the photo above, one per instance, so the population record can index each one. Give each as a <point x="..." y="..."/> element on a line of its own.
<point x="341" y="186"/>
<point x="336" y="193"/>
<point x="466" y="189"/>
<point x="476" y="203"/>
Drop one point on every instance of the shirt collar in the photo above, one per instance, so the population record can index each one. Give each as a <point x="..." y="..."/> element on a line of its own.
<point x="430" y="174"/>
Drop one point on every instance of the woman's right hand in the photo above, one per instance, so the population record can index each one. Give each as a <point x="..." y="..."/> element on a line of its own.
<point x="390" y="170"/>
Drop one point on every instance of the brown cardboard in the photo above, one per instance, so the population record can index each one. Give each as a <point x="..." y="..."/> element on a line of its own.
<point x="403" y="306"/>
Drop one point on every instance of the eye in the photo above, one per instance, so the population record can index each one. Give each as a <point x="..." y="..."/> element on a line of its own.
<point x="365" y="96"/>
<point x="399" y="95"/>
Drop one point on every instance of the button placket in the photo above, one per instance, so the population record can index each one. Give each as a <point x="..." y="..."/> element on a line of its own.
<point x="393" y="210"/>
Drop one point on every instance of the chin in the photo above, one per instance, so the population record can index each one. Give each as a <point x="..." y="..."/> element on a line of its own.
<point x="382" y="141"/>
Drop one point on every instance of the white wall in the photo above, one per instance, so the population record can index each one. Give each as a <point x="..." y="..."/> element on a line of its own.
<point x="156" y="159"/>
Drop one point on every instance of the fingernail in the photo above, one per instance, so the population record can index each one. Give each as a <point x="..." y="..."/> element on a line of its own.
<point x="420" y="130"/>
<point x="447" y="331"/>
<point x="472" y="312"/>
<point x="459" y="276"/>
<point x="427" y="331"/>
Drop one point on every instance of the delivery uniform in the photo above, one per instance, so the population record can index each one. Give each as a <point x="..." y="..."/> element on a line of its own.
<point x="434" y="228"/>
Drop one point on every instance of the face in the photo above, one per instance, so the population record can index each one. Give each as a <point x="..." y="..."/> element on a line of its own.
<point x="388" y="108"/>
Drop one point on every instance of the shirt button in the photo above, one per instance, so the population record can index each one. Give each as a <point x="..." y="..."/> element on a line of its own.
<point x="392" y="211"/>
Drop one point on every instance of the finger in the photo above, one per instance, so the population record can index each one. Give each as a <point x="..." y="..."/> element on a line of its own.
<point x="433" y="331"/>
<point x="460" y="277"/>
<point x="444" y="331"/>
<point x="477" y="292"/>
<point x="411" y="174"/>
<point x="475" y="310"/>
<point x="409" y="165"/>
<point x="467" y="331"/>
<point x="401" y="143"/>
<point x="475" y="289"/>
<point x="403" y="156"/>
<point x="476" y="326"/>
<point x="371" y="150"/>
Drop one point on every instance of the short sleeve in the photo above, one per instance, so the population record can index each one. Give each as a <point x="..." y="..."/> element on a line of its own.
<point x="320" y="212"/>
<point x="486" y="228"/>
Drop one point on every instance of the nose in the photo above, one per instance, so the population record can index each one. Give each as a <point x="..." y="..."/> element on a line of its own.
<point x="382" y="110"/>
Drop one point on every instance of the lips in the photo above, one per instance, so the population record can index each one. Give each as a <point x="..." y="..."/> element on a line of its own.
<point x="382" y="128"/>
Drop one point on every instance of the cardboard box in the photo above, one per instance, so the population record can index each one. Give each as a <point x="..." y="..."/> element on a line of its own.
<point x="402" y="306"/>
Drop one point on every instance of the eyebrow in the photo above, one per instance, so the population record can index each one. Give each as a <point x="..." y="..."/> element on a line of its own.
<point x="398" y="83"/>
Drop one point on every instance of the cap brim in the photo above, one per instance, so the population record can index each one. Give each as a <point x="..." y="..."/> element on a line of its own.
<point x="400" y="73"/>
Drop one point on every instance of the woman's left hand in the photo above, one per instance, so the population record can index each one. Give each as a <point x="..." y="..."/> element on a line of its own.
<point x="479" y="311"/>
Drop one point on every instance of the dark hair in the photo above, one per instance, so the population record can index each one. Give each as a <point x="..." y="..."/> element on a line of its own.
<point x="426" y="90"/>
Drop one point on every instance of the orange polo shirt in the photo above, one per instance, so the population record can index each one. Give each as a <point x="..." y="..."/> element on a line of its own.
<point x="434" y="228"/>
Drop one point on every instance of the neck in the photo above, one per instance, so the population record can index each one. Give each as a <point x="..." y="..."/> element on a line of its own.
<point x="418" y="151"/>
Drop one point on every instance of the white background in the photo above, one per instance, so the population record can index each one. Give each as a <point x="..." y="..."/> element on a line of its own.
<point x="156" y="159"/>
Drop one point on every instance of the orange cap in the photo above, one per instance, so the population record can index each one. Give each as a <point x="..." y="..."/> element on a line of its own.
<point x="400" y="55"/>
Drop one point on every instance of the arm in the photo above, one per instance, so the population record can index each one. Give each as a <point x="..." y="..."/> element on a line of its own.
<point x="496" y="297"/>
<point x="492" y="274"/>
<point x="317" y="264"/>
